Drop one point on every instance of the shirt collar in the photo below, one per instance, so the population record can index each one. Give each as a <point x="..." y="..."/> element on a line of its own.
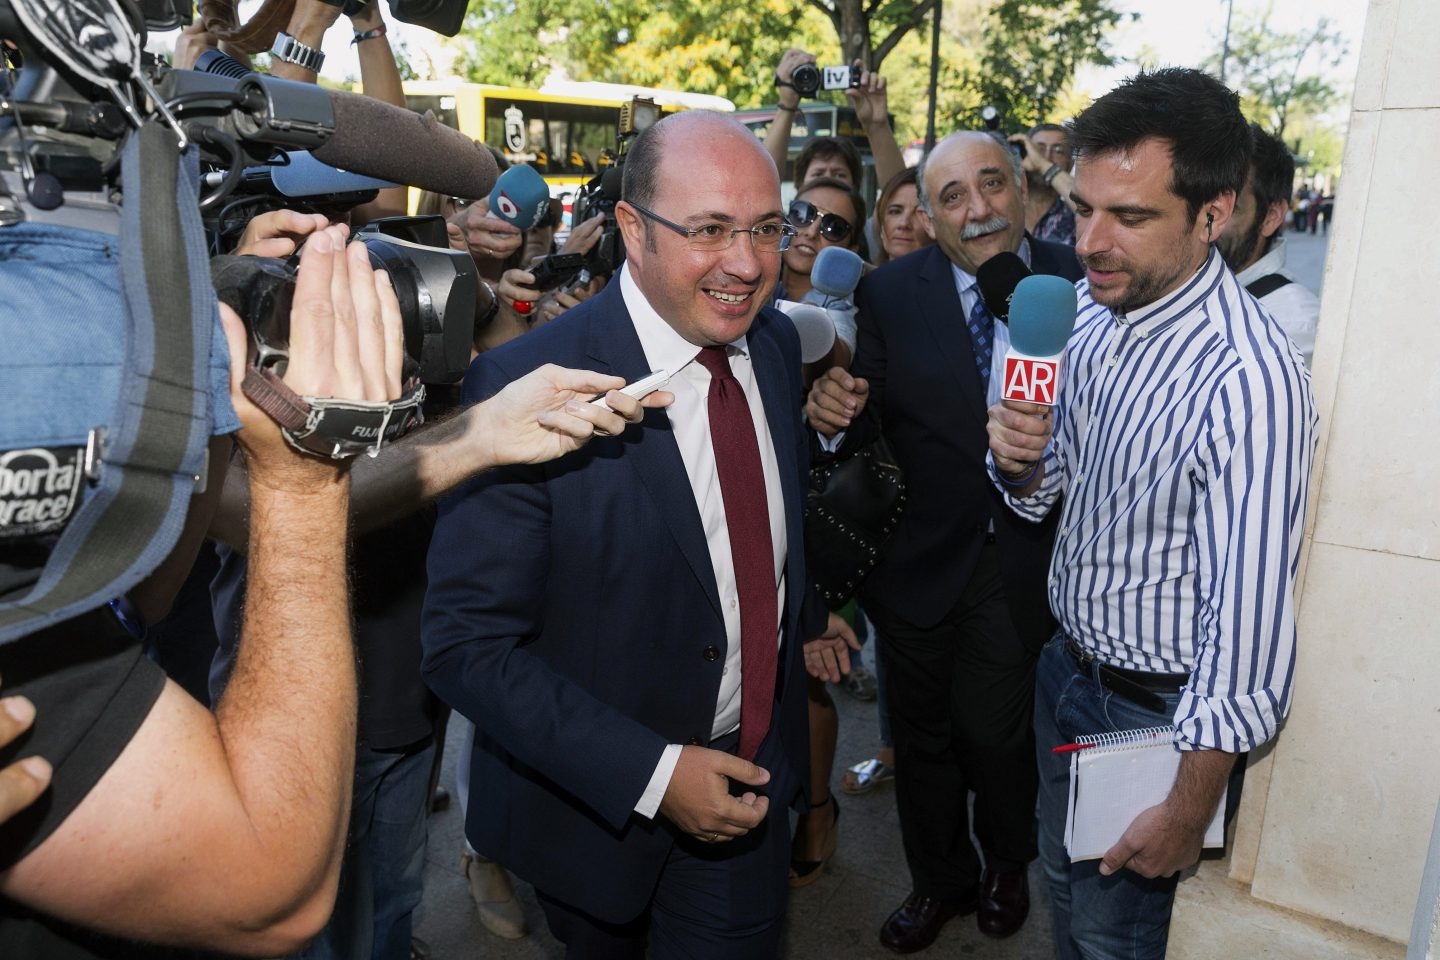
<point x="966" y="281"/>
<point x="1272" y="262"/>
<point x="1178" y="303"/>
<point x="664" y="348"/>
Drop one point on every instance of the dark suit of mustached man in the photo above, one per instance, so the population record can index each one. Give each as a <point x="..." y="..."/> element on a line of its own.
<point x="627" y="627"/>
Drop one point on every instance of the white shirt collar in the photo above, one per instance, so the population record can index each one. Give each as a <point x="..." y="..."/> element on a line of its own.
<point x="664" y="348"/>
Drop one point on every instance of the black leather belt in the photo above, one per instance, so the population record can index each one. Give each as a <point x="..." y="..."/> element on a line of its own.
<point x="1138" y="686"/>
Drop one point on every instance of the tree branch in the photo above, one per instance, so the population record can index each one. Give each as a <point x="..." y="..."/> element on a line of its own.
<point x="922" y="12"/>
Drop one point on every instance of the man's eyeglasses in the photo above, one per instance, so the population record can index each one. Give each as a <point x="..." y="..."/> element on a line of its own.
<point x="769" y="237"/>
<point x="833" y="227"/>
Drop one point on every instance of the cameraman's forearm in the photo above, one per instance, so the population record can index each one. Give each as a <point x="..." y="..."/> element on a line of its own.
<point x="287" y="720"/>
<point x="777" y="138"/>
<point x="889" y="161"/>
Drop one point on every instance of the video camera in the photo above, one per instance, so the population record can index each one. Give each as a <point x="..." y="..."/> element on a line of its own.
<point x="247" y="127"/>
<point x="602" y="192"/>
<point x="808" y="79"/>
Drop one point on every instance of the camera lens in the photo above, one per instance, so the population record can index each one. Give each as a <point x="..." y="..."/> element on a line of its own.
<point x="806" y="79"/>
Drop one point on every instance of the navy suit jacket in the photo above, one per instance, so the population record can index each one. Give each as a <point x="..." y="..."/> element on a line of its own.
<point x="573" y="615"/>
<point x="914" y="348"/>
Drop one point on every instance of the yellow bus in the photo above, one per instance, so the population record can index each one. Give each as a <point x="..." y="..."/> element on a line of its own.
<point x="560" y="129"/>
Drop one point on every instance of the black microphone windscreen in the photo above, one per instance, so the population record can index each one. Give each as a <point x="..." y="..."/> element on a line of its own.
<point x="997" y="279"/>
<point x="610" y="182"/>
<point x="393" y="143"/>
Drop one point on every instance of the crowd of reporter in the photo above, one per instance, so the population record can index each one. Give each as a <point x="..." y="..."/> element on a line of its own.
<point x="289" y="817"/>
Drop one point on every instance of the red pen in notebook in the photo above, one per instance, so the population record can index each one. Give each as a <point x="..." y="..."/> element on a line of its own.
<point x="1070" y="747"/>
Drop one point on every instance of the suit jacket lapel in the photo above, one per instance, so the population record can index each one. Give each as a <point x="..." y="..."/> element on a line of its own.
<point x="650" y="447"/>
<point x="940" y="310"/>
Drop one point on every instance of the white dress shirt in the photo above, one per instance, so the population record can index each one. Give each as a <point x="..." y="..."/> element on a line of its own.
<point x="689" y="417"/>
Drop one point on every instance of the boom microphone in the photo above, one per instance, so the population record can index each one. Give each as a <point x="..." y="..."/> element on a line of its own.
<point x="400" y="145"/>
<point x="997" y="279"/>
<point x="1042" y="317"/>
<point x="520" y="197"/>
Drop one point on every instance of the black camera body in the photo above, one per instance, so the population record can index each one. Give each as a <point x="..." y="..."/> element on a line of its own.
<point x="809" y="79"/>
<point x="602" y="192"/>
<point x="436" y="287"/>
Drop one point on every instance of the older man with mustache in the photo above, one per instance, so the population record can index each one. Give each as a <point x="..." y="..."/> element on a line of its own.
<point x="959" y="597"/>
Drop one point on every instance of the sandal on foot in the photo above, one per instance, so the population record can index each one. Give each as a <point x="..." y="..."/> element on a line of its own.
<point x="806" y="872"/>
<point x="866" y="776"/>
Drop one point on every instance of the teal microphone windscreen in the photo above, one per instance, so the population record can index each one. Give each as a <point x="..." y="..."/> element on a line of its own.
<point x="1042" y="315"/>
<point x="520" y="197"/>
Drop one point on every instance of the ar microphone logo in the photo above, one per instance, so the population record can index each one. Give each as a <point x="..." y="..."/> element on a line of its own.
<point x="1031" y="379"/>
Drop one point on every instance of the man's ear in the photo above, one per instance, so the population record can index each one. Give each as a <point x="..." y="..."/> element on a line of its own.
<point x="632" y="228"/>
<point x="1217" y="213"/>
<point x="928" y="224"/>
<point x="1275" y="216"/>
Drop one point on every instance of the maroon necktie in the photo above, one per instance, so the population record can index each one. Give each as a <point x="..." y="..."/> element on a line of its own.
<point x="747" y="515"/>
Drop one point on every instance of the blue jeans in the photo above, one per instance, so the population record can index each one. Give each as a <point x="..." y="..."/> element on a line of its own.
<point x="1095" y="917"/>
<point x="382" y="876"/>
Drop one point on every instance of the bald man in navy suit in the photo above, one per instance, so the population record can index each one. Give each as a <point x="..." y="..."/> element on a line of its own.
<point x="627" y="628"/>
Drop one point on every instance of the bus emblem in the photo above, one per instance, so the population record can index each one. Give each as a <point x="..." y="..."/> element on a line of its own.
<point x="514" y="129"/>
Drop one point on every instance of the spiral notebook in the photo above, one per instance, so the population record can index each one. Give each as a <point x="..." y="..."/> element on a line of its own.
<point x="1113" y="778"/>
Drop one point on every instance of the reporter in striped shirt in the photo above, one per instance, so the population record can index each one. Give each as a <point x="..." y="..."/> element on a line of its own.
<point x="1182" y="443"/>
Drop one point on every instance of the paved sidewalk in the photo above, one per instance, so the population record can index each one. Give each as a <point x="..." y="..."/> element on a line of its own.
<point x="837" y="916"/>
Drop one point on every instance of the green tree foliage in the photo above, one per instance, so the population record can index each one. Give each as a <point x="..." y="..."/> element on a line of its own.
<point x="1032" y="50"/>
<point x="1281" y="75"/>
<point x="1019" y="54"/>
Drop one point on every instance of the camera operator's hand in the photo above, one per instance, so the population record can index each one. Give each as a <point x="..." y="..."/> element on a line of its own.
<point x="487" y="237"/>
<point x="869" y="99"/>
<point x="22" y="782"/>
<point x="584" y="236"/>
<point x="346" y="341"/>
<point x="278" y="233"/>
<point x="366" y="17"/>
<point x="547" y="414"/>
<point x="1035" y="161"/>
<point x="785" y="95"/>
<point x="309" y="20"/>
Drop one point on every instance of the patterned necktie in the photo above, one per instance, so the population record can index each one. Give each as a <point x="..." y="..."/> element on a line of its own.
<point x="747" y="518"/>
<point x="982" y="336"/>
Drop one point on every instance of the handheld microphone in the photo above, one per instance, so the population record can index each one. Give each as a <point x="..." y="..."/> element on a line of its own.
<point x="814" y="325"/>
<point x="997" y="279"/>
<point x="1042" y="317"/>
<point x="520" y="197"/>
<point x="834" y="276"/>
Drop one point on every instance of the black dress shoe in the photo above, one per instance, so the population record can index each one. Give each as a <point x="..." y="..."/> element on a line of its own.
<point x="918" y="921"/>
<point x="1004" y="902"/>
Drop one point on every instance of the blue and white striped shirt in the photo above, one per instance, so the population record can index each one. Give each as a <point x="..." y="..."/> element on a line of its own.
<point x="1183" y="443"/>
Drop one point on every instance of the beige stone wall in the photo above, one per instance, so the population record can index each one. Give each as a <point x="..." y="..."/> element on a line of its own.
<point x="1353" y="782"/>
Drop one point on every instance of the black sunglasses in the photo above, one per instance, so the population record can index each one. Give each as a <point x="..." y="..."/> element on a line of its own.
<point x="833" y="227"/>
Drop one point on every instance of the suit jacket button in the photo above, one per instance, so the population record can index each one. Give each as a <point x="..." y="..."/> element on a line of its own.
<point x="711" y="653"/>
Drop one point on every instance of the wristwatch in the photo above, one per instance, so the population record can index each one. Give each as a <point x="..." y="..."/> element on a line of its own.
<point x="290" y="50"/>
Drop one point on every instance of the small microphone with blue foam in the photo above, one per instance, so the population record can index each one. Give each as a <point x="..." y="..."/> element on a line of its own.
<point x="1042" y="317"/>
<point x="520" y="197"/>
<point x="825" y="312"/>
